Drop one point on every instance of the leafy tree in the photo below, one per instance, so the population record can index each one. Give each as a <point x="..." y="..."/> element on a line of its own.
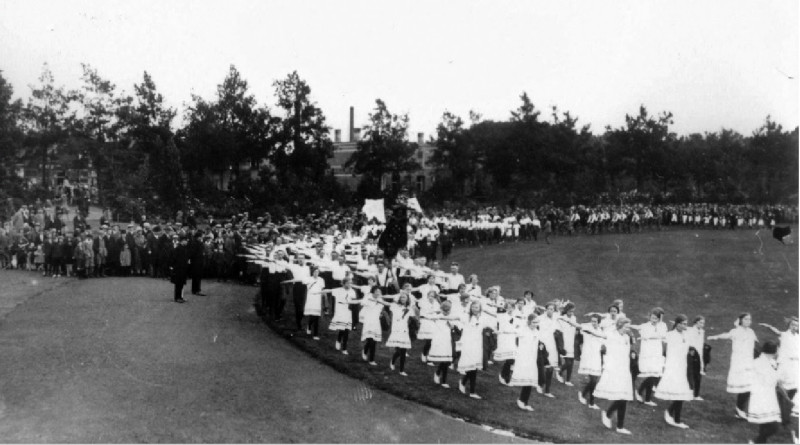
<point x="384" y="149"/>
<point x="641" y="145"/>
<point x="526" y="112"/>
<point x="304" y="144"/>
<point x="223" y="133"/>
<point x="49" y="117"/>
<point x="564" y="152"/>
<point x="100" y="104"/>
<point x="299" y="162"/>
<point x="773" y="158"/>
<point x="455" y="152"/>
<point x="138" y="165"/>
<point x="11" y="137"/>
<point x="10" y="131"/>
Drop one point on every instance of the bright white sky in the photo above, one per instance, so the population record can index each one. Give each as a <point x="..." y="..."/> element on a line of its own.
<point x="713" y="63"/>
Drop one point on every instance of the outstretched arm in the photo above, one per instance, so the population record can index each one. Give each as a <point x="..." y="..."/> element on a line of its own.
<point x="771" y="328"/>
<point x="723" y="336"/>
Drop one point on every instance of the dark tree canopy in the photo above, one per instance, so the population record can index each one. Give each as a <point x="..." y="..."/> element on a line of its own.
<point x="384" y="148"/>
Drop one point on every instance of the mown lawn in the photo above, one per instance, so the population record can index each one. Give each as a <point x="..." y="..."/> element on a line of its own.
<point x="714" y="273"/>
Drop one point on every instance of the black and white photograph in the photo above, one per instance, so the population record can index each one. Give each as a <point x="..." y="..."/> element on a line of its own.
<point x="353" y="221"/>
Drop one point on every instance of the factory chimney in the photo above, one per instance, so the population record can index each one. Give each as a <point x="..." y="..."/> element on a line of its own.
<point x="352" y="125"/>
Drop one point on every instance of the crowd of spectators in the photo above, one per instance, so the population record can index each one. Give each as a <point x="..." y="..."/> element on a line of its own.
<point x="40" y="237"/>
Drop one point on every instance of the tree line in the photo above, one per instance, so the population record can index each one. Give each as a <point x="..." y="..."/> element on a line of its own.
<point x="148" y="163"/>
<point x="538" y="160"/>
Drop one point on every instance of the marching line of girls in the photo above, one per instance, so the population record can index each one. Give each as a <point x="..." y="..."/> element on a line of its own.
<point x="671" y="360"/>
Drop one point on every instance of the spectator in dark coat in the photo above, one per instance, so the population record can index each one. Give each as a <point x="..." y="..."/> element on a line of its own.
<point x="179" y="268"/>
<point x="196" y="253"/>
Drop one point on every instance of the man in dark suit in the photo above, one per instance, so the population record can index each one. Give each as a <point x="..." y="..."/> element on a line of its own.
<point x="179" y="268"/>
<point x="191" y="220"/>
<point x="196" y="249"/>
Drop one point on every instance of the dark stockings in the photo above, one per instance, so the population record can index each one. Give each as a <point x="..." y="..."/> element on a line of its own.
<point x="400" y="353"/>
<point x="675" y="410"/>
<point x="619" y="406"/>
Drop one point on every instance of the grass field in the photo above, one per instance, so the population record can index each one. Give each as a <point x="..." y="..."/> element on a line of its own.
<point x="714" y="273"/>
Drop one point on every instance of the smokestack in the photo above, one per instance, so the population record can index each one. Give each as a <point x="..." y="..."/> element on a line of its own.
<point x="337" y="136"/>
<point x="420" y="138"/>
<point x="352" y="125"/>
<point x="356" y="135"/>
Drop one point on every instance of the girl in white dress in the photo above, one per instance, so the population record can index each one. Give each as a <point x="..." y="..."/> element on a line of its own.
<point x="764" y="409"/>
<point x="651" y="354"/>
<point x="548" y="324"/>
<point x="697" y="339"/>
<point x="609" y="321"/>
<point x="526" y="373"/>
<point x="343" y="297"/>
<point x="787" y="356"/>
<point x="441" y="352"/>
<point x="399" y="338"/>
<point x="615" y="381"/>
<point x="428" y="306"/>
<point x="507" y="327"/>
<point x="674" y="384"/>
<point x="366" y="291"/>
<point x="740" y="374"/>
<point x="371" y="333"/>
<point x="471" y="343"/>
<point x="568" y="325"/>
<point x="591" y="360"/>
<point x="313" y="307"/>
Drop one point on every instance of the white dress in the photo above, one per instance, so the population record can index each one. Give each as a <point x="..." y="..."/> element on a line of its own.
<point x="427" y="310"/>
<point x="398" y="337"/>
<point x="591" y="362"/>
<point x="568" y="332"/>
<point x="674" y="384"/>
<point x="314" y="297"/>
<point x="547" y="331"/>
<point x="764" y="407"/>
<point x="740" y="374"/>
<point x="472" y="342"/>
<point x="787" y="361"/>
<point x="506" y="337"/>
<point x="651" y="350"/>
<point x="372" y="320"/>
<point x="608" y="324"/>
<point x="442" y="341"/>
<point x="615" y="381"/>
<point x="526" y="373"/>
<point x="426" y="288"/>
<point x="342" y="317"/>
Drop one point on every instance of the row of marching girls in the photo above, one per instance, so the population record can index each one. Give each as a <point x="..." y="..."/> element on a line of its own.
<point x="610" y="362"/>
<point x="670" y="361"/>
<point x="765" y="386"/>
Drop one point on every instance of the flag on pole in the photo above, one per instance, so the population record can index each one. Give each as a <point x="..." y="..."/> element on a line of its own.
<point x="413" y="204"/>
<point x="373" y="208"/>
<point x="395" y="236"/>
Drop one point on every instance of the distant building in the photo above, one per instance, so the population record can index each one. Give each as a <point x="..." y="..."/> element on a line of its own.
<point x="420" y="180"/>
<point x="66" y="170"/>
<point x="222" y="181"/>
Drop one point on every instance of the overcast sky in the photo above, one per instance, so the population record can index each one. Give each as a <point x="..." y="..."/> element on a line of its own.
<point x="713" y="64"/>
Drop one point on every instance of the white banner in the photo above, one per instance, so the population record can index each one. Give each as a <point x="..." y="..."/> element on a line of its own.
<point x="373" y="208"/>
